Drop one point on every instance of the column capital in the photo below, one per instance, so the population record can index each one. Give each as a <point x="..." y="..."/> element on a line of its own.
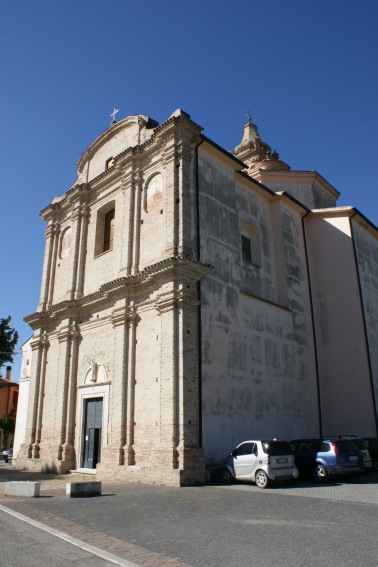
<point x="175" y="300"/>
<point x="68" y="332"/>
<point x="52" y="229"/>
<point x="124" y="316"/>
<point x="41" y="342"/>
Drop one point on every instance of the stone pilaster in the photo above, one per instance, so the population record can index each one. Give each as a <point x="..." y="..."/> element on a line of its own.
<point x="128" y="190"/>
<point x="172" y="170"/>
<point x="52" y="233"/>
<point x="84" y="214"/>
<point x="77" y="220"/>
<point x="53" y="264"/>
<point x="67" y="338"/>
<point x="68" y="453"/>
<point x="137" y="188"/>
<point x="114" y="453"/>
<point x="191" y="455"/>
<point x="183" y="200"/>
<point x="40" y="396"/>
<point x="166" y="453"/>
<point x="129" y="449"/>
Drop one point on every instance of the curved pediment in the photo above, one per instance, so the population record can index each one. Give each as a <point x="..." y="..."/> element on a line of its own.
<point x="126" y="133"/>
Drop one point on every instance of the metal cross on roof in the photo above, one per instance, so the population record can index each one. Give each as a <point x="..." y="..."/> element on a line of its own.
<point x="114" y="113"/>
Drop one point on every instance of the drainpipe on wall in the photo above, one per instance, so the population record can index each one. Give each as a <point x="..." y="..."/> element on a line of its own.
<point x="313" y="327"/>
<point x="198" y="253"/>
<point x="365" y="325"/>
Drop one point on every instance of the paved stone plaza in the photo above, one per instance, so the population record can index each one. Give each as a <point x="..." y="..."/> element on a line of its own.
<point x="215" y="526"/>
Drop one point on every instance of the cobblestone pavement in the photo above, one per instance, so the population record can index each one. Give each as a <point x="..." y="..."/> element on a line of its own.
<point x="361" y="489"/>
<point x="213" y="526"/>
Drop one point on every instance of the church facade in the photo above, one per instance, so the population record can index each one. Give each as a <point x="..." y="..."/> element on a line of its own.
<point x="192" y="298"/>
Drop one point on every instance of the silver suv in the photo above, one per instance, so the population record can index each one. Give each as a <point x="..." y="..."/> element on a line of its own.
<point x="260" y="462"/>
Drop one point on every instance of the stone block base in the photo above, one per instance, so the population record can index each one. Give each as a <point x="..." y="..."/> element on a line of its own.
<point x="83" y="489"/>
<point x="22" y="488"/>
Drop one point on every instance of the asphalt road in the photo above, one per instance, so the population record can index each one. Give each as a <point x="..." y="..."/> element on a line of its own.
<point x="213" y="526"/>
<point x="24" y="545"/>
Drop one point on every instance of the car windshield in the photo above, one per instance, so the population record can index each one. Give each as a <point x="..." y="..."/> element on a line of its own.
<point x="275" y="448"/>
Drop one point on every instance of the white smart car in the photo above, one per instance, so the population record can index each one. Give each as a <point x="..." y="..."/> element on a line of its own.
<point x="260" y="462"/>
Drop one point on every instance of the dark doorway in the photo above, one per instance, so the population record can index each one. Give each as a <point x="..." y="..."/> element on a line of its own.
<point x="92" y="432"/>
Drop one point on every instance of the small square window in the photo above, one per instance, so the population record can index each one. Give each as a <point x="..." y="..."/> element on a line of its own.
<point x="251" y="243"/>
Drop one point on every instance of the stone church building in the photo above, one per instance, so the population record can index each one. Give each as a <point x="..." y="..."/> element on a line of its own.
<point x="193" y="298"/>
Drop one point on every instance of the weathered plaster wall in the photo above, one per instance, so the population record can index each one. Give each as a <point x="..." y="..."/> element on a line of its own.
<point x="307" y="187"/>
<point x="342" y="356"/>
<point x="258" y="364"/>
<point x="366" y="247"/>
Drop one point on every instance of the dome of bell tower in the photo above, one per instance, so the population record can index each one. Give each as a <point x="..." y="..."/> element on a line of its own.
<point x="256" y="153"/>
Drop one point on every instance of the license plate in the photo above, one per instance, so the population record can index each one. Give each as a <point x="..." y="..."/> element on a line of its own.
<point x="281" y="460"/>
<point x="353" y="458"/>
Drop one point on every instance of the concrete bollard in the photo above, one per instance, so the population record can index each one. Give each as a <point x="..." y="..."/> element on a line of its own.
<point x="80" y="489"/>
<point x="22" y="488"/>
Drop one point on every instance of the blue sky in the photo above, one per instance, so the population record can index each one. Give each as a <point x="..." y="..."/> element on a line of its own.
<point x="306" y="69"/>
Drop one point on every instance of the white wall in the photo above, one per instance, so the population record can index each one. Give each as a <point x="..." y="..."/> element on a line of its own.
<point x="23" y="397"/>
<point x="342" y="353"/>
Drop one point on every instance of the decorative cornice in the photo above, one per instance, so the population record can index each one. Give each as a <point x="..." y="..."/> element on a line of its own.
<point x="176" y="267"/>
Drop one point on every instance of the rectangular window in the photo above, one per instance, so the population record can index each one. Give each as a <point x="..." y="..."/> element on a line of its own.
<point x="246" y="249"/>
<point x="251" y="243"/>
<point x="109" y="231"/>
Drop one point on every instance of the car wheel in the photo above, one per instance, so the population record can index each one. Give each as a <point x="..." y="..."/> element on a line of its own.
<point x="375" y="465"/>
<point x="320" y="473"/>
<point x="226" y="477"/>
<point x="261" y="479"/>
